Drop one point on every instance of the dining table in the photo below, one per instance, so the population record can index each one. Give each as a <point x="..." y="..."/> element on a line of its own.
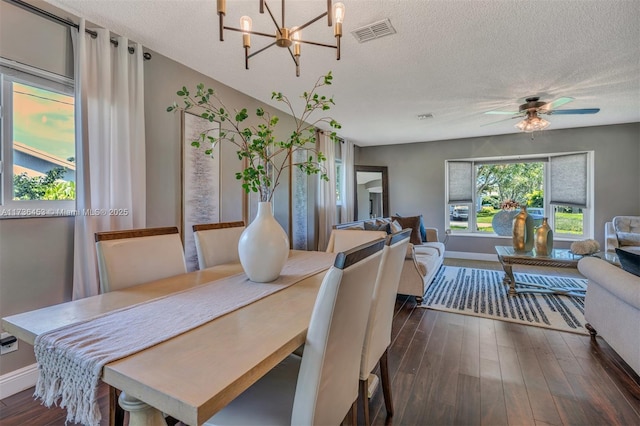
<point x="194" y="374"/>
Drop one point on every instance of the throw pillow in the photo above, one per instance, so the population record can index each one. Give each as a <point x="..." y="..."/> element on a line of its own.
<point x="423" y="230"/>
<point x="630" y="261"/>
<point x="386" y="227"/>
<point x="413" y="223"/>
<point x="395" y="227"/>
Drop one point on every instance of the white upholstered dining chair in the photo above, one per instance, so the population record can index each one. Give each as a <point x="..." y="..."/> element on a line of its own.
<point x="378" y="333"/>
<point x="217" y="243"/>
<point x="136" y="256"/>
<point x="344" y="239"/>
<point x="320" y="387"/>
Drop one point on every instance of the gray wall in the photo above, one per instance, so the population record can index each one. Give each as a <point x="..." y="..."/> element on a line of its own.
<point x="417" y="173"/>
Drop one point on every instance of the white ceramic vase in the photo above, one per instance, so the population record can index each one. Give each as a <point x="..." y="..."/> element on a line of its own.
<point x="263" y="246"/>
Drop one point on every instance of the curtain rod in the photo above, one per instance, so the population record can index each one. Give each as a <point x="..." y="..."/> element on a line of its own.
<point x="50" y="16"/>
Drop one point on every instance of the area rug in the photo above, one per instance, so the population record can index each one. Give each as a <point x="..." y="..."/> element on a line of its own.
<point x="480" y="292"/>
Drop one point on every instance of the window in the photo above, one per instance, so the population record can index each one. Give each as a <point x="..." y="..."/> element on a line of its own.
<point x="557" y="186"/>
<point x="38" y="143"/>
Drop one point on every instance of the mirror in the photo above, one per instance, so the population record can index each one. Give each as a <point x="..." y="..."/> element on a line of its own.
<point x="371" y="192"/>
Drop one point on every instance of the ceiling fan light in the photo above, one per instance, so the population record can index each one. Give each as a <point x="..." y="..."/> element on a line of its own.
<point x="532" y="124"/>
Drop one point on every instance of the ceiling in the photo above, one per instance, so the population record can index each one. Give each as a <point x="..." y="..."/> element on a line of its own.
<point x="454" y="59"/>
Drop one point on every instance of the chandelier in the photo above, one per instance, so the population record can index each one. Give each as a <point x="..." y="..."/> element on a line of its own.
<point x="284" y="36"/>
<point x="532" y="123"/>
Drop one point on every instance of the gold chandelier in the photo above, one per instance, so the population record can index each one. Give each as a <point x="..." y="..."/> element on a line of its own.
<point x="284" y="36"/>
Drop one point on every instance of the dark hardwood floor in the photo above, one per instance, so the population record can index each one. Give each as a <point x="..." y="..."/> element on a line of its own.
<point x="450" y="369"/>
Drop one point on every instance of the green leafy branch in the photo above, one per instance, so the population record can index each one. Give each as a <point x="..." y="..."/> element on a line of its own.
<point x="265" y="156"/>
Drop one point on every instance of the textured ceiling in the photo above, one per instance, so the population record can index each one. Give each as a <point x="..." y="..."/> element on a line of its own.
<point x="454" y="59"/>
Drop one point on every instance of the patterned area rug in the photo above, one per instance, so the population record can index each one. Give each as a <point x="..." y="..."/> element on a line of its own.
<point x="480" y="292"/>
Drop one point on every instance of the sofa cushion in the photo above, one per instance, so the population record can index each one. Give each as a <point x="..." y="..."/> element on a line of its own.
<point x="630" y="261"/>
<point x="439" y="247"/>
<point x="395" y="227"/>
<point x="413" y="223"/>
<point x="628" y="238"/>
<point x="427" y="259"/>
<point x="386" y="227"/>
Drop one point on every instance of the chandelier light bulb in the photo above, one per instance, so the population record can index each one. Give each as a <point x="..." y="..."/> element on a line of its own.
<point x="338" y="12"/>
<point x="245" y="24"/>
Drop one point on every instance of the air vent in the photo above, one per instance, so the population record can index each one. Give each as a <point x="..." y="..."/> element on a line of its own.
<point x="373" y="31"/>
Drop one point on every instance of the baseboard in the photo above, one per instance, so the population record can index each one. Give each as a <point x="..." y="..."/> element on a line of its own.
<point x="18" y="380"/>
<point x="471" y="256"/>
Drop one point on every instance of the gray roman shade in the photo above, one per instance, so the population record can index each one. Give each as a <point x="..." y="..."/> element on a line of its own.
<point x="461" y="183"/>
<point x="568" y="180"/>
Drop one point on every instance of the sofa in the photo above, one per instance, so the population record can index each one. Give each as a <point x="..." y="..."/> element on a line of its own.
<point x="423" y="259"/>
<point x="612" y="307"/>
<point x="623" y="232"/>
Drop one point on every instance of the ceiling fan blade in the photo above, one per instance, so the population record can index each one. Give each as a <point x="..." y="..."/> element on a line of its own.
<point x="501" y="112"/>
<point x="554" y="104"/>
<point x="574" y="111"/>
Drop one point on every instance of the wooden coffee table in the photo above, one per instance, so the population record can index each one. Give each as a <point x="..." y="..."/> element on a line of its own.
<point x="559" y="258"/>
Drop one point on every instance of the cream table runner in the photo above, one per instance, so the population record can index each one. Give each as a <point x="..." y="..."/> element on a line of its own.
<point x="71" y="358"/>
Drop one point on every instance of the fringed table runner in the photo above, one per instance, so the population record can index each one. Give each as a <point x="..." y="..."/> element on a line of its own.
<point x="71" y="358"/>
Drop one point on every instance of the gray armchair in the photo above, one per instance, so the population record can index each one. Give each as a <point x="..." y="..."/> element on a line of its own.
<point x="623" y="232"/>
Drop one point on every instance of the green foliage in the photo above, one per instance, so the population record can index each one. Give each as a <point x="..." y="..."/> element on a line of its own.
<point x="569" y="223"/>
<point x="264" y="155"/>
<point x="47" y="187"/>
<point x="535" y="199"/>
<point x="486" y="211"/>
<point x="512" y="181"/>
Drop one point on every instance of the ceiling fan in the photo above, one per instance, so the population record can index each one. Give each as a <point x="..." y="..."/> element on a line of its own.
<point x="533" y="108"/>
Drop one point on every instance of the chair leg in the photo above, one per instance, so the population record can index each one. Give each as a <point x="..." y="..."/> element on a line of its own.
<point x="354" y="413"/>
<point x="386" y="383"/>
<point x="363" y="396"/>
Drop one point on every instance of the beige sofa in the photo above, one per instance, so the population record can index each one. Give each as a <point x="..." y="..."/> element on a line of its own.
<point x="421" y="262"/>
<point x="612" y="307"/>
<point x="623" y="232"/>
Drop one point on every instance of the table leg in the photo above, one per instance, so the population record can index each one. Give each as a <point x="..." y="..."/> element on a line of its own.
<point x="141" y="413"/>
<point x="509" y="278"/>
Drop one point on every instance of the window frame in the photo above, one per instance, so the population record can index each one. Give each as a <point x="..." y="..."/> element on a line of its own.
<point x="14" y="72"/>
<point x="549" y="209"/>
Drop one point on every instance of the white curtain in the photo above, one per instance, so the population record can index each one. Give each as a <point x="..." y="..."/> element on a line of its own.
<point x="348" y="194"/>
<point x="326" y="192"/>
<point x="110" y="146"/>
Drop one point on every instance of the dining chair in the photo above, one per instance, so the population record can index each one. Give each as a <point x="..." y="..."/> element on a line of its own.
<point x="136" y="256"/>
<point x="130" y="257"/>
<point x="320" y="387"/>
<point x="217" y="243"/>
<point x="344" y="239"/>
<point x="378" y="333"/>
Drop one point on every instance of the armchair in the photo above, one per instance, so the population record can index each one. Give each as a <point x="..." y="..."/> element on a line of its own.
<point x="623" y="232"/>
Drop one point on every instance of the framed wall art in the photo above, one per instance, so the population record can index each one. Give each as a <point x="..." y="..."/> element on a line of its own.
<point x="200" y="181"/>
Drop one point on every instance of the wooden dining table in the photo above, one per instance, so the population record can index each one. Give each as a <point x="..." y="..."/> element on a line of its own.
<point x="193" y="375"/>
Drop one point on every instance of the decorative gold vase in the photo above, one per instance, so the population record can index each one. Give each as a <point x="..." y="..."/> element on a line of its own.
<point x="523" y="234"/>
<point x="544" y="239"/>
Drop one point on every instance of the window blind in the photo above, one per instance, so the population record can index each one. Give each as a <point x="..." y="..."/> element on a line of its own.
<point x="460" y="182"/>
<point x="568" y="176"/>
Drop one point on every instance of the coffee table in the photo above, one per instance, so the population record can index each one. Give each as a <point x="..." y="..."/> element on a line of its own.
<point x="559" y="258"/>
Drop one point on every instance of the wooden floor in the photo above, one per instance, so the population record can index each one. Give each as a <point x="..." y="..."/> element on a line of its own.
<point x="450" y="369"/>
